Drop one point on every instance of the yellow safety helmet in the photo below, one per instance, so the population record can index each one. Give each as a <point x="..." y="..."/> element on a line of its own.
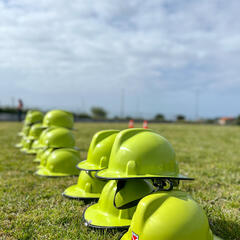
<point x="172" y="215"/>
<point x="113" y="209"/>
<point x="141" y="153"/>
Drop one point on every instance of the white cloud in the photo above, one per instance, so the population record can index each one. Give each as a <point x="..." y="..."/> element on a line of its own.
<point x="95" y="48"/>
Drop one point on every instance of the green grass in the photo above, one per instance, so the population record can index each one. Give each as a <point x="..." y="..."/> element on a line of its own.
<point x="32" y="207"/>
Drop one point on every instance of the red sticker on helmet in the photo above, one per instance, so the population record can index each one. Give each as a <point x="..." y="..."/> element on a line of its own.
<point x="134" y="236"/>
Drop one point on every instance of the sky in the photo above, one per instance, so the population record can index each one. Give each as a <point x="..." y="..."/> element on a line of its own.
<point x="133" y="58"/>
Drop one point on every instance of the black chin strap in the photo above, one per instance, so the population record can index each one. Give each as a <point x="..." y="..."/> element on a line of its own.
<point x="160" y="184"/>
<point x="163" y="185"/>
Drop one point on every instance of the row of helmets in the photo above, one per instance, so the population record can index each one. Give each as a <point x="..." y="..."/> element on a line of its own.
<point x="50" y="137"/>
<point x="135" y="177"/>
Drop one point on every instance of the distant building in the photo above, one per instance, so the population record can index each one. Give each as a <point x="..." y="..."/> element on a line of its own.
<point x="226" y="120"/>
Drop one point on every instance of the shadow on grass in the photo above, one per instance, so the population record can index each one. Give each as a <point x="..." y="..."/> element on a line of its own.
<point x="227" y="230"/>
<point x="116" y="232"/>
<point x="86" y="201"/>
<point x="90" y="201"/>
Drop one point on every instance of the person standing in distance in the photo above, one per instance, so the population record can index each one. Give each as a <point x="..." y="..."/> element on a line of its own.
<point x="20" y="108"/>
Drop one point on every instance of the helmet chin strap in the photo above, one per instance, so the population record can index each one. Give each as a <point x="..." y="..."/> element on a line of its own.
<point x="165" y="184"/>
<point x="160" y="184"/>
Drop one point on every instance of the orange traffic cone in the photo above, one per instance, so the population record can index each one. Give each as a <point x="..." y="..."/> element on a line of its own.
<point x="145" y="124"/>
<point x="131" y="124"/>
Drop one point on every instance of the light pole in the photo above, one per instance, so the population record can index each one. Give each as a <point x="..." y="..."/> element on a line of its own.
<point x="122" y="103"/>
<point x="197" y="105"/>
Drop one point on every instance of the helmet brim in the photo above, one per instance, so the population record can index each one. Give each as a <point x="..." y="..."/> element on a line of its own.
<point x="44" y="172"/>
<point x="110" y="175"/>
<point x="23" y="150"/>
<point x="76" y="192"/>
<point x="39" y="146"/>
<point x="29" y="152"/>
<point x="26" y="151"/>
<point x="86" y="166"/>
<point x="32" y="151"/>
<point x="36" y="160"/>
<point x="96" y="218"/>
<point x="18" y="145"/>
<point x="30" y="138"/>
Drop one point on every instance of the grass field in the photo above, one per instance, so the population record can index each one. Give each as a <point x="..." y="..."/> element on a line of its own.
<point x="32" y="207"/>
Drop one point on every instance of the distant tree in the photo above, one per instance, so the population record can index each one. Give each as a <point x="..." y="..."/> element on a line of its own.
<point x="210" y="121"/>
<point x="116" y="117"/>
<point x="11" y="110"/>
<point x="238" y="120"/>
<point x="98" y="112"/>
<point x="159" y="117"/>
<point x="83" y="115"/>
<point x="128" y="117"/>
<point x="180" y="117"/>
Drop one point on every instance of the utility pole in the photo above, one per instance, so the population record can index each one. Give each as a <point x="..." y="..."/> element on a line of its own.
<point x="122" y="103"/>
<point x="138" y="108"/>
<point x="83" y="104"/>
<point x="13" y="101"/>
<point x="197" y="104"/>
